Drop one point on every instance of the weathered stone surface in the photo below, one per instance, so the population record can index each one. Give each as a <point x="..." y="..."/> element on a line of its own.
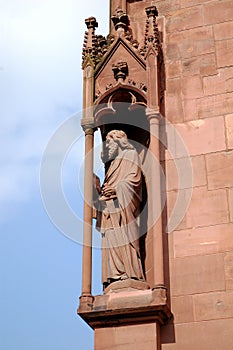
<point x="203" y="240"/>
<point x="224" y="53"/>
<point x="128" y="299"/>
<point x="149" y="259"/>
<point x="206" y="208"/>
<point x="215" y="334"/>
<point x="130" y="337"/>
<point x="176" y="214"/>
<point x="199" y="172"/>
<point x="219" y="83"/>
<point x="185" y="19"/>
<point x="212" y="106"/>
<point x="213" y="306"/>
<point x="170" y="252"/>
<point x="203" y="65"/>
<point x="174" y="108"/>
<point x="199" y="136"/>
<point x="190" y="43"/>
<point x="190" y="109"/>
<point x="228" y="261"/>
<point x="219" y="170"/>
<point x="197" y="274"/>
<point x="173" y="69"/>
<point x="230" y="200"/>
<point x="190" y="3"/>
<point x="223" y="30"/>
<point x="229" y="130"/>
<point x="174" y="86"/>
<point x="218" y="11"/>
<point x="192" y="86"/>
<point x="165" y="7"/>
<point x="182" y="309"/>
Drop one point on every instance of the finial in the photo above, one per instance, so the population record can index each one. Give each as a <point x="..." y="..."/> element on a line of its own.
<point x="90" y="40"/>
<point x="151" y="11"/>
<point x="152" y="38"/>
<point x="120" y="21"/>
<point x="91" y="23"/>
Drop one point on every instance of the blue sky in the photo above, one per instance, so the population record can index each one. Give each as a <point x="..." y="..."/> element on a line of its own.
<point x="41" y="88"/>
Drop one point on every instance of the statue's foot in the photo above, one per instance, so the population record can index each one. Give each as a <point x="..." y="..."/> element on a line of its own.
<point x="124" y="277"/>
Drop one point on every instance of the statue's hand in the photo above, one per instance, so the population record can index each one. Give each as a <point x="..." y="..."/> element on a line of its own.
<point x="108" y="191"/>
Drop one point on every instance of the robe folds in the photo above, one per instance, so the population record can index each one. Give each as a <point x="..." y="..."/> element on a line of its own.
<point x="118" y="219"/>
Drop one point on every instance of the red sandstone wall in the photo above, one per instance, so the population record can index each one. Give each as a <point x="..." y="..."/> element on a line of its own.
<point x="198" y="47"/>
<point x="199" y="101"/>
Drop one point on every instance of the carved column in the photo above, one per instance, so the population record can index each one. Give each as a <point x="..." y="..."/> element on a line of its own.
<point x="155" y="200"/>
<point x="154" y="178"/>
<point x="87" y="123"/>
<point x="88" y="214"/>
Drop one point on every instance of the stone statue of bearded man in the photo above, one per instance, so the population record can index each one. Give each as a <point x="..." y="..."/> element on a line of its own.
<point x="119" y="210"/>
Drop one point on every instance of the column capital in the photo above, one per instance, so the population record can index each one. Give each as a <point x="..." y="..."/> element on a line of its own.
<point x="89" y="131"/>
<point x="153" y="114"/>
<point x="88" y="126"/>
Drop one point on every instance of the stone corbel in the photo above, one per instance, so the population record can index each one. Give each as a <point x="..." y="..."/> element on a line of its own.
<point x="120" y="71"/>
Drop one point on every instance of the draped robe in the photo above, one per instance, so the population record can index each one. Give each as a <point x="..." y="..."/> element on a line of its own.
<point x="118" y="219"/>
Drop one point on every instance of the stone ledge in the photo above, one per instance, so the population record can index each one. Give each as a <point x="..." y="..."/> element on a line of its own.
<point x="125" y="308"/>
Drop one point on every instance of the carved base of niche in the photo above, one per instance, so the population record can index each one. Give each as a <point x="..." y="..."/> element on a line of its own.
<point x="126" y="285"/>
<point x="126" y="307"/>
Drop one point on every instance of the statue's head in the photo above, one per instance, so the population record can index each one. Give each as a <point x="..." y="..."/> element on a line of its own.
<point x="116" y="134"/>
<point x="119" y="137"/>
<point x="115" y="140"/>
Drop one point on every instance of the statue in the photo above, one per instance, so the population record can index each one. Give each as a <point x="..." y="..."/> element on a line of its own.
<point x="118" y="211"/>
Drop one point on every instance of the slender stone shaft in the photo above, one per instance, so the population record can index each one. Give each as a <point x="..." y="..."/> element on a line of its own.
<point x="88" y="213"/>
<point x="154" y="178"/>
<point x="155" y="202"/>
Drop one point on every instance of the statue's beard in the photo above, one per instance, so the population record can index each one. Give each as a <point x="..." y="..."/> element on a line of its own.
<point x="112" y="152"/>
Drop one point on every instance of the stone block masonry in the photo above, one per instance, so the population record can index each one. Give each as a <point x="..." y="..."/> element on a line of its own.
<point x="198" y="46"/>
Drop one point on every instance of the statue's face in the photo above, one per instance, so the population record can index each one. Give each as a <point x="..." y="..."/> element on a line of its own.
<point x="112" y="148"/>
